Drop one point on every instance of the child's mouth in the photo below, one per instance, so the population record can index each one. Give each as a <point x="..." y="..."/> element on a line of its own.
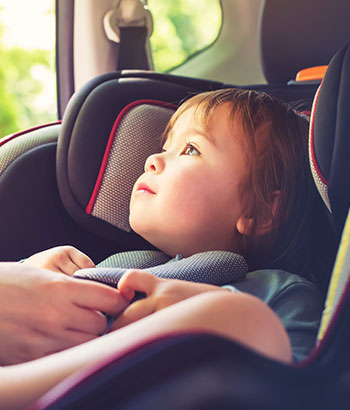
<point x="142" y="187"/>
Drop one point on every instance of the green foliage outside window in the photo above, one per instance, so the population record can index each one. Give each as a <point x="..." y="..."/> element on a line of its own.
<point x="18" y="89"/>
<point x="21" y="85"/>
<point x="181" y="29"/>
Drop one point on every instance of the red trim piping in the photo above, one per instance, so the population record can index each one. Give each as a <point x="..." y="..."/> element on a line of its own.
<point x="18" y="134"/>
<point x="110" y="143"/>
<point x="308" y="113"/>
<point x="312" y="150"/>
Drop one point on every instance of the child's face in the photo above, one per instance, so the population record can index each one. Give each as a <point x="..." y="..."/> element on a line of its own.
<point x="187" y="200"/>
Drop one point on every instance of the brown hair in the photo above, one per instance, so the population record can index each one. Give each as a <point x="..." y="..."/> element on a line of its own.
<point x="274" y="139"/>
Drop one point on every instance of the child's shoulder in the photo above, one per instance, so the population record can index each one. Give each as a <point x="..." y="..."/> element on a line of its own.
<point x="296" y="301"/>
<point x="272" y="285"/>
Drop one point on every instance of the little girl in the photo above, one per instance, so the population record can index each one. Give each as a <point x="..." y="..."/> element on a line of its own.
<point x="232" y="176"/>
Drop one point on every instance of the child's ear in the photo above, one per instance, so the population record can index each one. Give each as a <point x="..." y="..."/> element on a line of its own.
<point x="245" y="224"/>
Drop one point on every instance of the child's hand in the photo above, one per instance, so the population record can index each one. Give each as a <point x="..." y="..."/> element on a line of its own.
<point x="63" y="259"/>
<point x="160" y="293"/>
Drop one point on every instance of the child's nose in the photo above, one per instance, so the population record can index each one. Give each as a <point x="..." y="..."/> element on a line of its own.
<point x="154" y="163"/>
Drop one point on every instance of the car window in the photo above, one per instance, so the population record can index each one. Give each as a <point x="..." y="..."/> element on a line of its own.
<point x="182" y="28"/>
<point x="27" y="76"/>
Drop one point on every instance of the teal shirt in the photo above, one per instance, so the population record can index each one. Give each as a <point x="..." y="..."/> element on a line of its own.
<point x="297" y="302"/>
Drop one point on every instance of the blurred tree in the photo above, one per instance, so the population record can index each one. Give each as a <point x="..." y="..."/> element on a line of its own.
<point x="181" y="29"/>
<point x="8" y="106"/>
<point x="20" y="86"/>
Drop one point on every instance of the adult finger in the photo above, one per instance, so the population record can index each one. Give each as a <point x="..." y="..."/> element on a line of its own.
<point x="86" y="321"/>
<point x="68" y="268"/>
<point x="137" y="280"/>
<point x="79" y="259"/>
<point x="97" y="296"/>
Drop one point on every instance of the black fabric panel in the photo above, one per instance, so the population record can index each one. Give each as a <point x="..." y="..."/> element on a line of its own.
<point x="299" y="95"/>
<point x="322" y="245"/>
<point x="326" y="116"/>
<point x="302" y="92"/>
<point x="32" y="217"/>
<point x="331" y="135"/>
<point x="198" y="84"/>
<point x="300" y="34"/>
<point x="339" y="187"/>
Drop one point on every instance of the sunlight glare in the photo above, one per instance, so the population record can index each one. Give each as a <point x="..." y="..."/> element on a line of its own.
<point x="27" y="24"/>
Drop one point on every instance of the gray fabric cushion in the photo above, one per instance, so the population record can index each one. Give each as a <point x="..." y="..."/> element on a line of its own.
<point x="19" y="143"/>
<point x="214" y="267"/>
<point x="135" y="136"/>
<point x="135" y="260"/>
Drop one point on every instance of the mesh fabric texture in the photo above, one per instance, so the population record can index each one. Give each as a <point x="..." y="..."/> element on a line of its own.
<point x="135" y="260"/>
<point x="137" y="137"/>
<point x="15" y="147"/>
<point x="213" y="267"/>
<point x="321" y="186"/>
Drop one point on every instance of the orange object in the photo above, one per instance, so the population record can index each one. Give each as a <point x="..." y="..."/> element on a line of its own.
<point x="312" y="73"/>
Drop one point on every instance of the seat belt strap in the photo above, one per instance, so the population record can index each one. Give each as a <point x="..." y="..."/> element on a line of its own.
<point x="130" y="24"/>
<point x="132" y="48"/>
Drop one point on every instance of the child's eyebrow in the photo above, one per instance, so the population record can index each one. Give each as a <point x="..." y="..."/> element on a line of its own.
<point x="202" y="133"/>
<point x="192" y="131"/>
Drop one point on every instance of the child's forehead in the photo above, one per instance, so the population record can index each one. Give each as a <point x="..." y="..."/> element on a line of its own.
<point x="210" y="124"/>
<point x="189" y="121"/>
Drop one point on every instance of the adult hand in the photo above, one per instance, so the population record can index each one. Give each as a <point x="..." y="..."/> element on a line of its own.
<point x="64" y="259"/>
<point x="44" y="312"/>
<point x="160" y="293"/>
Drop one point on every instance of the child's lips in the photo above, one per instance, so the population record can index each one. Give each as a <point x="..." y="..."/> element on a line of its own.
<point x="142" y="187"/>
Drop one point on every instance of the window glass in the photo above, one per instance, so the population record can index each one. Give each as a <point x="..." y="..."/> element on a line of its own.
<point x="27" y="74"/>
<point x="181" y="29"/>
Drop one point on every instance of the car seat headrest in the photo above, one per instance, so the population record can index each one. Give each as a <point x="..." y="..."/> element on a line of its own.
<point x="299" y="34"/>
<point x="329" y="142"/>
<point x="101" y="153"/>
<point x="135" y="135"/>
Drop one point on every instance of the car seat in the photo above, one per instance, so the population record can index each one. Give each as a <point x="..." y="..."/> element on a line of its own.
<point x="198" y="371"/>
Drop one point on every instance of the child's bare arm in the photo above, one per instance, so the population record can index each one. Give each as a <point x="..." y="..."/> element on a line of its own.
<point x="236" y="316"/>
<point x="63" y="259"/>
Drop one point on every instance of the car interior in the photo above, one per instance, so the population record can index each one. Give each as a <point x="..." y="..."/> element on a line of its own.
<point x="69" y="182"/>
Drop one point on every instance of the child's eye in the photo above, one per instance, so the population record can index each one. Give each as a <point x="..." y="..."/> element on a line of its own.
<point x="190" y="150"/>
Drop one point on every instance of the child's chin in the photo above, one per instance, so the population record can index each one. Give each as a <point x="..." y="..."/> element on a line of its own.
<point x="138" y="227"/>
<point x="134" y="226"/>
